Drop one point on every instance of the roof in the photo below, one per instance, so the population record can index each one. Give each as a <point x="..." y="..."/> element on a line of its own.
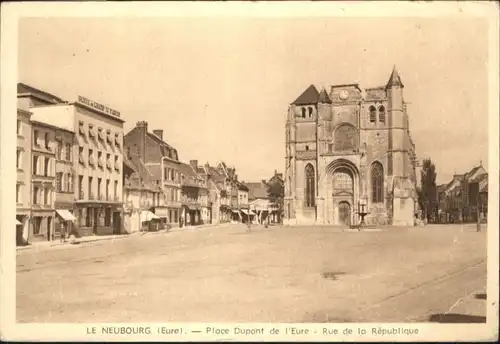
<point x="394" y="79"/>
<point x="163" y="143"/>
<point x="241" y="186"/>
<point x="309" y="96"/>
<point x="24" y="88"/>
<point x="442" y="187"/>
<point x="480" y="178"/>
<point x="323" y="97"/>
<point x="473" y="171"/>
<point x="257" y="190"/>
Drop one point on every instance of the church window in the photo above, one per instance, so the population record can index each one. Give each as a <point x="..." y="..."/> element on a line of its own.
<point x="303" y="112"/>
<point x="381" y="114"/>
<point x="309" y="189"/>
<point x="373" y="114"/>
<point x="345" y="138"/>
<point x="330" y="147"/>
<point x="377" y="174"/>
<point x="342" y="181"/>
<point x="310" y="111"/>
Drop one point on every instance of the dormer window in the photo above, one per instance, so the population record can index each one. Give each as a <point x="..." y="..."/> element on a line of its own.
<point x="303" y="112"/>
<point x="310" y="111"/>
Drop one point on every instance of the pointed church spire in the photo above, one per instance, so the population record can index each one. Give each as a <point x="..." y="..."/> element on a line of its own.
<point x="323" y="97"/>
<point x="394" y="79"/>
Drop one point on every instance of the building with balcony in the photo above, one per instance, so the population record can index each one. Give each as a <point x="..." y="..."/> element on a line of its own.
<point x="23" y="181"/>
<point x="43" y="177"/>
<point x="96" y="160"/>
<point x="162" y="161"/>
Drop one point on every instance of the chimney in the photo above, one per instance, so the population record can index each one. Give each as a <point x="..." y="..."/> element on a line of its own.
<point x="143" y="130"/>
<point x="159" y="133"/>
<point x="194" y="163"/>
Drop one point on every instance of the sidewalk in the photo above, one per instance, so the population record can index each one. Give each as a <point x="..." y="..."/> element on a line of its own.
<point x="43" y="245"/>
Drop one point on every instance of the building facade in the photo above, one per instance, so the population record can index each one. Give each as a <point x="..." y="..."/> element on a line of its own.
<point x="24" y="173"/>
<point x="162" y="161"/>
<point x="140" y="198"/>
<point x="349" y="152"/>
<point x="43" y="181"/>
<point x="96" y="157"/>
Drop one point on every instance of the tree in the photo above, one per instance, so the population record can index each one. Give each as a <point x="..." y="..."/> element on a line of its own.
<point x="427" y="193"/>
<point x="276" y="194"/>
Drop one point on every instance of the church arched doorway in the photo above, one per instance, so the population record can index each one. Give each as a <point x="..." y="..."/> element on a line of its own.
<point x="344" y="213"/>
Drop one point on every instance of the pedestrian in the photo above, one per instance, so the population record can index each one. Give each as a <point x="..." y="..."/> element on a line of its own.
<point x="63" y="232"/>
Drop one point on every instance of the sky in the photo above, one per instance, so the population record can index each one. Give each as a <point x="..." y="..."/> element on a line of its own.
<point x="220" y="87"/>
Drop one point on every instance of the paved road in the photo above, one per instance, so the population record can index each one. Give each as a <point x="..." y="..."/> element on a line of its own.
<point x="278" y="274"/>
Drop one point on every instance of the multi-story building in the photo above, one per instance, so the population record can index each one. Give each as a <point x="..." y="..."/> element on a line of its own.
<point x="64" y="148"/>
<point x="219" y="193"/>
<point x="349" y="151"/>
<point x="43" y="181"/>
<point x="204" y="198"/>
<point x="191" y="188"/>
<point x="97" y="163"/>
<point x="140" y="198"/>
<point x="23" y="182"/>
<point x="162" y="161"/>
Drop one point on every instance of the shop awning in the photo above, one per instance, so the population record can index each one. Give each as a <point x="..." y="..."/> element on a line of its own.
<point x="65" y="215"/>
<point x="235" y="211"/>
<point x="148" y="216"/>
<point x="18" y="223"/>
<point x="246" y="212"/>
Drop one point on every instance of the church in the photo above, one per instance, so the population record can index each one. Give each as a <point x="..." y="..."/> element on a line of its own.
<point x="350" y="155"/>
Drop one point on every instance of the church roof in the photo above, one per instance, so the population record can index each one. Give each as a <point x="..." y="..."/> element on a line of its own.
<point x="323" y="97"/>
<point x="309" y="96"/>
<point x="394" y="79"/>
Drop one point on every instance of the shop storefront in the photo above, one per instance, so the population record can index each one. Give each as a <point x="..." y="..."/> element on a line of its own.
<point x="98" y="218"/>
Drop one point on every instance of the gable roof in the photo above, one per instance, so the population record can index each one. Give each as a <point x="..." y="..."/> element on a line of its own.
<point x="309" y="96"/>
<point x="27" y="89"/>
<point x="256" y="190"/>
<point x="469" y="174"/>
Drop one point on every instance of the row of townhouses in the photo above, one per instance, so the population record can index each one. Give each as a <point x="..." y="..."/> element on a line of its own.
<point x="464" y="197"/>
<point x="77" y="170"/>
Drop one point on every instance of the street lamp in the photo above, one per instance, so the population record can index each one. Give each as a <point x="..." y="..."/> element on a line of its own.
<point x="362" y="211"/>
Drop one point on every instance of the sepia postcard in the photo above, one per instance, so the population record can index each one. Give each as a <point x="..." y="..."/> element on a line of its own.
<point x="249" y="171"/>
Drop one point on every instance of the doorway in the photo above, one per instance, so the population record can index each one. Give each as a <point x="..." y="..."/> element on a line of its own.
<point x="49" y="229"/>
<point x="345" y="213"/>
<point x="117" y="222"/>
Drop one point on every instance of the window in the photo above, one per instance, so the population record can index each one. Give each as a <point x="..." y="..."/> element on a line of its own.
<point x="46" y="171"/>
<point x="307" y="147"/>
<point x="36" y="191"/>
<point x="99" y="158"/>
<point x="58" y="149"/>
<point x="381" y="114"/>
<point x="18" y="193"/>
<point x="342" y="181"/>
<point x="117" y="165"/>
<point x="80" y="186"/>
<point x="115" y="194"/>
<point x="59" y="176"/>
<point x="47" y="142"/>
<point x="389" y="164"/>
<point x="68" y="152"/>
<point x="345" y="138"/>
<point x="91" y="156"/>
<point x="37" y="225"/>
<point x="373" y="114"/>
<point x="69" y="181"/>
<point x="303" y="112"/>
<point x="35" y="138"/>
<point x="107" y="189"/>
<point x="35" y="165"/>
<point x="309" y="189"/>
<point x="90" y="196"/>
<point x="81" y="128"/>
<point x="377" y="178"/>
<point x="19" y="157"/>
<point x="19" y="127"/>
<point x="107" y="217"/>
<point x="99" y="181"/>
<point x="46" y="196"/>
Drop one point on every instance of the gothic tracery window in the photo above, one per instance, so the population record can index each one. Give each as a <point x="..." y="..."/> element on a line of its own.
<point x="345" y="138"/>
<point x="342" y="181"/>
<point x="377" y="176"/>
<point x="381" y="114"/>
<point x="309" y="189"/>
<point x="373" y="114"/>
